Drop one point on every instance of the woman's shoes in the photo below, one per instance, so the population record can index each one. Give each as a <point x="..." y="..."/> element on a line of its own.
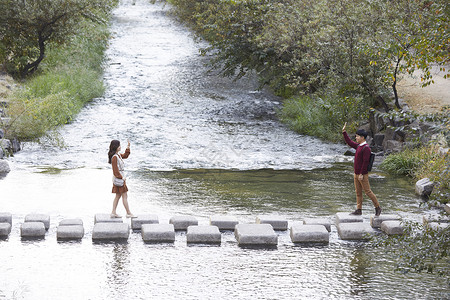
<point x="128" y="216"/>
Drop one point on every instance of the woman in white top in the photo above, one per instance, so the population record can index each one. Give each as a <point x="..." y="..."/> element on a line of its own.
<point x="119" y="181"/>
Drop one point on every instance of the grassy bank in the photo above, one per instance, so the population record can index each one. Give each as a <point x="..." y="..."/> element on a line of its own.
<point x="426" y="161"/>
<point x="68" y="78"/>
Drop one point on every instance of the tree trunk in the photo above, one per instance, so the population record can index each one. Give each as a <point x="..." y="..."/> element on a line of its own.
<point x="31" y="67"/>
<point x="394" y="85"/>
<point x="383" y="103"/>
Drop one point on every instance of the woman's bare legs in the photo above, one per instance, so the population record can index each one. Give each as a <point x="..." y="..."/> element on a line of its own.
<point x="115" y="203"/>
<point x="125" y="203"/>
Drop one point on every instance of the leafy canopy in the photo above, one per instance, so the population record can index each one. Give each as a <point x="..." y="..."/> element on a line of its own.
<point x="28" y="26"/>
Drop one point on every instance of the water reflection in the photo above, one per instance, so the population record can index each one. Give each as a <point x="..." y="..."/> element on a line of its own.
<point x="118" y="269"/>
<point x="360" y="265"/>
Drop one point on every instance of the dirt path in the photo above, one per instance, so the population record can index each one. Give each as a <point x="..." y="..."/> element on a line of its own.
<point x="428" y="99"/>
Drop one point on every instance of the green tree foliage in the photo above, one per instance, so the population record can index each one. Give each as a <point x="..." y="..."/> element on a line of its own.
<point x="68" y="78"/>
<point x="357" y="48"/>
<point x="409" y="36"/>
<point x="419" y="249"/>
<point x="27" y="27"/>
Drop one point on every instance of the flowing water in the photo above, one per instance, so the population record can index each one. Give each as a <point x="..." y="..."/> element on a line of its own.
<point x="201" y="145"/>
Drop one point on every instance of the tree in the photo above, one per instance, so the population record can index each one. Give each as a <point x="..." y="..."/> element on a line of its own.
<point x="28" y="26"/>
<point x="412" y="35"/>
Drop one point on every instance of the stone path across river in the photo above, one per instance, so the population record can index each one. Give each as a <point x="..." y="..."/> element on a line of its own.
<point x="264" y="232"/>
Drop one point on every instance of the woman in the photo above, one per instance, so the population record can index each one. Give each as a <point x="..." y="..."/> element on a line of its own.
<point x="119" y="180"/>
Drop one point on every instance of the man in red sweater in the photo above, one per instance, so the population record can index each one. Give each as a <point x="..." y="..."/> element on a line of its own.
<point x="361" y="176"/>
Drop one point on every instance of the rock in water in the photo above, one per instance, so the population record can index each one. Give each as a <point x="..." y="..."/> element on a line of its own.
<point x="424" y="187"/>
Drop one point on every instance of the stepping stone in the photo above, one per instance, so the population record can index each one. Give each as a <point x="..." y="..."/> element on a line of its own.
<point x="5" y="218"/>
<point x="345" y="217"/>
<point x="110" y="231"/>
<point x="32" y="230"/>
<point x="68" y="222"/>
<point x="154" y="233"/>
<point x="392" y="227"/>
<point x="136" y="223"/>
<point x="318" y="221"/>
<point x="375" y="222"/>
<point x="224" y="222"/>
<point x="277" y="222"/>
<point x="183" y="222"/>
<point x="106" y="218"/>
<point x="437" y="226"/>
<point x="446" y="208"/>
<point x="435" y="218"/>
<point x="301" y="233"/>
<point x="255" y="234"/>
<point x="354" y="231"/>
<point x="205" y="234"/>
<point x="45" y="219"/>
<point x="5" y="229"/>
<point x="70" y="232"/>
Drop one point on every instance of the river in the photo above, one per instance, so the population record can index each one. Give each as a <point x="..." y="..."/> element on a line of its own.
<point x="201" y="145"/>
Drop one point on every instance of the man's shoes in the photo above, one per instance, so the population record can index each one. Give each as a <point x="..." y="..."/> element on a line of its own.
<point x="377" y="211"/>
<point x="357" y="212"/>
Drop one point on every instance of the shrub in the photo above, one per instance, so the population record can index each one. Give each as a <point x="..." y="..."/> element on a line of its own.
<point x="323" y="117"/>
<point x="419" y="249"/>
<point x="426" y="161"/>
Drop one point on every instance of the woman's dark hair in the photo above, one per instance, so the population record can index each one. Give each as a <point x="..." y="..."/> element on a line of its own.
<point x="362" y="132"/>
<point x="113" y="149"/>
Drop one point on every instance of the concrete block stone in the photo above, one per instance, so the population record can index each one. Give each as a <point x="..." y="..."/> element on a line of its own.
<point x="206" y="234"/>
<point x="106" y="218"/>
<point x="183" y="222"/>
<point x="345" y="217"/>
<point x="45" y="219"/>
<point x="318" y="221"/>
<point x="70" y="232"/>
<point x="5" y="229"/>
<point x="154" y="233"/>
<point x="5" y="218"/>
<point x="392" y="227"/>
<point x="301" y="233"/>
<point x="255" y="234"/>
<point x="437" y="225"/>
<point x="375" y="222"/>
<point x="67" y="222"/>
<point x="435" y="219"/>
<point x="136" y="223"/>
<point x="354" y="231"/>
<point x="277" y="222"/>
<point x="111" y="231"/>
<point x="223" y="222"/>
<point x="32" y="230"/>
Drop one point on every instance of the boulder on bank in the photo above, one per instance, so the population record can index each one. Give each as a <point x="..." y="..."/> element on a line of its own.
<point x="424" y="187"/>
<point x="4" y="166"/>
<point x="8" y="147"/>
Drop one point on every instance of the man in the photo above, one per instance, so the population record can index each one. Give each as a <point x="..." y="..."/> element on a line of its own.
<point x="361" y="176"/>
